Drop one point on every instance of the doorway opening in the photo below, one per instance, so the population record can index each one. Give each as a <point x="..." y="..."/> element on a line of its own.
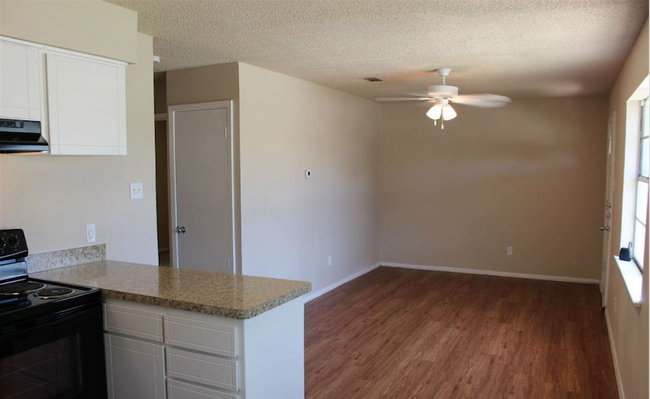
<point x="162" y="168"/>
<point x="195" y="183"/>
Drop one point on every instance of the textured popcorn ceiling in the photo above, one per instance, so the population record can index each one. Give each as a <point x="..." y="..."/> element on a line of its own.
<point x="513" y="47"/>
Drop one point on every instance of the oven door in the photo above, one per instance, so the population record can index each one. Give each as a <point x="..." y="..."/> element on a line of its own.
<point x="60" y="356"/>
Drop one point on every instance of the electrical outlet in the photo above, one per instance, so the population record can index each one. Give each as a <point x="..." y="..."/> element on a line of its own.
<point x="509" y="251"/>
<point x="91" y="233"/>
<point x="137" y="191"/>
<point x="329" y="260"/>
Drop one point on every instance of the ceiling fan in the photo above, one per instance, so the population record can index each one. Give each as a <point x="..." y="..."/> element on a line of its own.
<point x="442" y="95"/>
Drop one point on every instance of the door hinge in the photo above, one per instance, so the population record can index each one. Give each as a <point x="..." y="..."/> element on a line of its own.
<point x="225" y="131"/>
<point x="229" y="265"/>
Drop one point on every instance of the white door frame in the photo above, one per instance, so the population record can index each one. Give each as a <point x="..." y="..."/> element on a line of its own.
<point x="173" y="209"/>
<point x="609" y="193"/>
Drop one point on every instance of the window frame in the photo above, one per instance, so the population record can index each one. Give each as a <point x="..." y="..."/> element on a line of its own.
<point x="643" y="135"/>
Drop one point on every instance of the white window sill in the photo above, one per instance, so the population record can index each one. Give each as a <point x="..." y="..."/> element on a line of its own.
<point x="633" y="279"/>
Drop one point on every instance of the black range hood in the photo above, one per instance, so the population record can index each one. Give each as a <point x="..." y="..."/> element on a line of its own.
<point x="18" y="136"/>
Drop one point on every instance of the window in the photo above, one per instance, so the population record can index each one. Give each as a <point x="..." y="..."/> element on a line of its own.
<point x="640" y="214"/>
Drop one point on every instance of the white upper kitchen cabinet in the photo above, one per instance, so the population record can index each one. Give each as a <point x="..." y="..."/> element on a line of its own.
<point x="21" y="81"/>
<point x="79" y="99"/>
<point x="86" y="101"/>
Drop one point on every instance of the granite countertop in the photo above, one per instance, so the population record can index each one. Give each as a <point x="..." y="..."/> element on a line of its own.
<point x="219" y="294"/>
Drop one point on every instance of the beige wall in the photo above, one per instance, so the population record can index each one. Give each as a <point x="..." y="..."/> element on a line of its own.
<point x="204" y="84"/>
<point x="290" y="225"/>
<point x="529" y="175"/>
<point x="54" y="197"/>
<point x="629" y="324"/>
<point x="88" y="26"/>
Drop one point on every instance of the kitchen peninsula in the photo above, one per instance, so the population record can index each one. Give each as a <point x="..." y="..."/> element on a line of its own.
<point x="189" y="334"/>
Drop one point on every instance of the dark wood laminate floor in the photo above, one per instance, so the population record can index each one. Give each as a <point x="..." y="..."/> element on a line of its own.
<point x="407" y="334"/>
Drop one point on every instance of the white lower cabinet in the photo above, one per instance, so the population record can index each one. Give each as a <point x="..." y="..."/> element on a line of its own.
<point x="153" y="355"/>
<point x="135" y="369"/>
<point x="201" y="336"/>
<point x="159" y="353"/>
<point x="203" y="369"/>
<point x="133" y="322"/>
<point x="183" y="390"/>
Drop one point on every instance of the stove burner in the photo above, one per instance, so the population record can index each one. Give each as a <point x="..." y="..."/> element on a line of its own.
<point x="52" y="293"/>
<point x="20" y="288"/>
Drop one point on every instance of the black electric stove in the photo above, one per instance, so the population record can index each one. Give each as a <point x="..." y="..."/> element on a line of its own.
<point x="22" y="297"/>
<point x="51" y="334"/>
<point x="27" y="298"/>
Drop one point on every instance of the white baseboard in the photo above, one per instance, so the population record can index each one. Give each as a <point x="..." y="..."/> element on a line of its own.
<point x="492" y="273"/>
<point x="339" y="283"/>
<point x="619" y="383"/>
<point x="351" y="277"/>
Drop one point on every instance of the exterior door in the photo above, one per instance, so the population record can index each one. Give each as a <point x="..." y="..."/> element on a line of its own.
<point x="607" y="217"/>
<point x="202" y="186"/>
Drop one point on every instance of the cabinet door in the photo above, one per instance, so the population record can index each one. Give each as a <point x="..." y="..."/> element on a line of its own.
<point x="134" y="369"/>
<point x="134" y="322"/>
<point x="183" y="390"/>
<point x="201" y="336"/>
<point x="20" y="81"/>
<point x="87" y="106"/>
<point x="203" y="369"/>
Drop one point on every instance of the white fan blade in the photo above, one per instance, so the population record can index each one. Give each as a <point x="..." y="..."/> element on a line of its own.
<point x="386" y="99"/>
<point x="481" y="100"/>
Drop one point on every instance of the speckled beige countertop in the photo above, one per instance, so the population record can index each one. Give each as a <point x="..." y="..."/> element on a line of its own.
<point x="220" y="294"/>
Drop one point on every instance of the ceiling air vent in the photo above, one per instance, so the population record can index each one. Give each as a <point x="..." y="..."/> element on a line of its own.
<point x="373" y="79"/>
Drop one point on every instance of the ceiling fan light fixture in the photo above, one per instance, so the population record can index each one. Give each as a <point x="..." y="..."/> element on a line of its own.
<point x="435" y="112"/>
<point x="448" y="112"/>
<point x="442" y="95"/>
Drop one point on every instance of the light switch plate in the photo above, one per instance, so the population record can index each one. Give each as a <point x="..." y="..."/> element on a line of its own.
<point x="137" y="192"/>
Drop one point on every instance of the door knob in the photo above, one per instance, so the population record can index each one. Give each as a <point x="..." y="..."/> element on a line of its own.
<point x="180" y="229"/>
<point x="605" y="228"/>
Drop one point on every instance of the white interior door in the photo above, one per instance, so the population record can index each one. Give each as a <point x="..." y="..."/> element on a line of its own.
<point x="607" y="217"/>
<point x="202" y="186"/>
